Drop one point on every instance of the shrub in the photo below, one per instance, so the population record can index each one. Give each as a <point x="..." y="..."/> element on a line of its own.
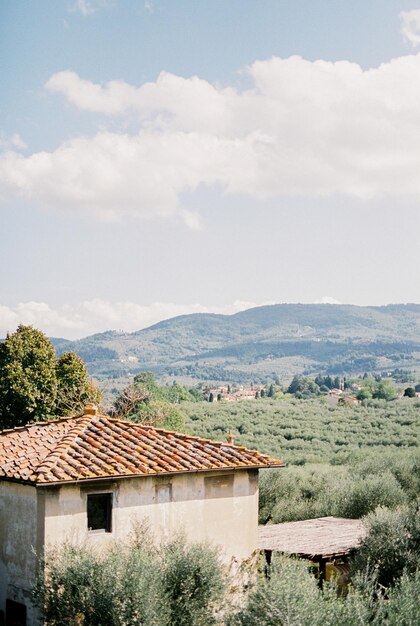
<point x="403" y="602"/>
<point x="138" y="583"/>
<point x="392" y="544"/>
<point x="193" y="583"/>
<point x="357" y="498"/>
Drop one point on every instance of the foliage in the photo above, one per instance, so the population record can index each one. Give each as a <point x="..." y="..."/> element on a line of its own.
<point x="28" y="380"/>
<point x="159" y="414"/>
<point x="291" y="597"/>
<point x="342" y="461"/>
<point x="144" y="400"/>
<point x="310" y="431"/>
<point x="403" y="607"/>
<point x="139" y="583"/>
<point x="382" y="389"/>
<point x="74" y="388"/>
<point x="303" y="387"/>
<point x="392" y="545"/>
<point x="34" y="384"/>
<point x="193" y="582"/>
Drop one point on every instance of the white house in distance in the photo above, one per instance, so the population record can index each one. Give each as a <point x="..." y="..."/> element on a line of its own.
<point x="91" y="477"/>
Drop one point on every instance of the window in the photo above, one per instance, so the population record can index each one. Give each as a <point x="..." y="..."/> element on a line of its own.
<point x="99" y="511"/>
<point x="15" y="613"/>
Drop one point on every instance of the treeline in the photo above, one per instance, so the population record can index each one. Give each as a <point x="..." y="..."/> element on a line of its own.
<point x="367" y="387"/>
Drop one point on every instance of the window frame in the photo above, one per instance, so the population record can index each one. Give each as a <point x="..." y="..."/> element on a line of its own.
<point x="108" y="496"/>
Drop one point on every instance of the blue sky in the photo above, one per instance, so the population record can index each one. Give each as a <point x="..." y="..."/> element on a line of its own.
<point x="165" y="157"/>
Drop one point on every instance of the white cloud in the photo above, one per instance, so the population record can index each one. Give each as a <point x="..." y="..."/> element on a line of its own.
<point x="92" y="316"/>
<point x="327" y="300"/>
<point x="304" y="128"/>
<point x="14" y="142"/>
<point x="410" y="26"/>
<point x="149" y="6"/>
<point x="88" y="7"/>
<point x="84" y="7"/>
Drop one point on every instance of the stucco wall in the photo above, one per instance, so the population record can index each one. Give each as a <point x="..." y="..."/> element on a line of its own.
<point x="219" y="506"/>
<point x="19" y="540"/>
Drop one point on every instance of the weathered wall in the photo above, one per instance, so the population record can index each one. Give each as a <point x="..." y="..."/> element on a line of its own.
<point x="219" y="506"/>
<point x="19" y="540"/>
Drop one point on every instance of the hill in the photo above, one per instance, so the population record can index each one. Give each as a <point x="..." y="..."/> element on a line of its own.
<point x="260" y="343"/>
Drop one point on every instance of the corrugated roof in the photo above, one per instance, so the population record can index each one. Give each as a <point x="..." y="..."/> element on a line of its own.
<point x="95" y="446"/>
<point x="322" y="537"/>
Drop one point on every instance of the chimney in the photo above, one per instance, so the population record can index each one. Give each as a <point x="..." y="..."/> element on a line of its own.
<point x="230" y="438"/>
<point x="91" y="409"/>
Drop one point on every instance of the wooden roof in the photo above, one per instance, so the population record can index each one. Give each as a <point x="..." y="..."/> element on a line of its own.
<point x="94" y="446"/>
<point x="323" y="537"/>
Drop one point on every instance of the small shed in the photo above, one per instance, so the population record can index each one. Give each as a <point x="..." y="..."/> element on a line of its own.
<point x="324" y="540"/>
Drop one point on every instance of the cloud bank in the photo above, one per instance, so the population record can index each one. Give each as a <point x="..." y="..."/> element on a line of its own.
<point x="93" y="316"/>
<point x="304" y="128"/>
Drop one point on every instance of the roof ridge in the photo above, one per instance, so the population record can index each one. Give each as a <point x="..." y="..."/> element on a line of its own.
<point x="51" y="460"/>
<point x="44" y="423"/>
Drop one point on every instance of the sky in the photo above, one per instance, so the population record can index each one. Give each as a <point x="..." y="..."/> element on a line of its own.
<point x="163" y="157"/>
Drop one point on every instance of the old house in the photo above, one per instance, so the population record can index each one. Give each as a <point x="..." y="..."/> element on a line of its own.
<point x="91" y="477"/>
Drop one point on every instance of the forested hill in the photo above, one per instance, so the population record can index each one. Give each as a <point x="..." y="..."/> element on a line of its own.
<point x="278" y="340"/>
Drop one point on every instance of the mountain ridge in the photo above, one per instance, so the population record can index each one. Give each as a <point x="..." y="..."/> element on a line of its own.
<point x="258" y="343"/>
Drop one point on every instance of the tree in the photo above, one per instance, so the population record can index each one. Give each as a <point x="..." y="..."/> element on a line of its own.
<point x="34" y="384"/>
<point x="28" y="378"/>
<point x="384" y="390"/>
<point x="145" y="401"/>
<point x="410" y="392"/>
<point x="74" y="388"/>
<point x="159" y="414"/>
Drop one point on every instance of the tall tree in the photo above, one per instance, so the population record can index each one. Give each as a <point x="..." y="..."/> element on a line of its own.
<point x="34" y="384"/>
<point x="28" y="379"/>
<point x="74" y="387"/>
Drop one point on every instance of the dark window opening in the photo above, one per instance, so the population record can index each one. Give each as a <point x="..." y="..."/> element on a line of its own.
<point x="15" y="613"/>
<point x="99" y="511"/>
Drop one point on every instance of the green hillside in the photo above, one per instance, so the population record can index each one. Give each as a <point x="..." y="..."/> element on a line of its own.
<point x="278" y="340"/>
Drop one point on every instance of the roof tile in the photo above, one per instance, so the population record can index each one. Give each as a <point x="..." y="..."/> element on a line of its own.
<point x="96" y="446"/>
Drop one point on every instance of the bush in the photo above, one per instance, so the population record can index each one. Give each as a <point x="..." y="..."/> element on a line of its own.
<point x="403" y="602"/>
<point x="357" y="498"/>
<point x="193" y="583"/>
<point x="392" y="544"/>
<point x="292" y="597"/>
<point x="139" y="583"/>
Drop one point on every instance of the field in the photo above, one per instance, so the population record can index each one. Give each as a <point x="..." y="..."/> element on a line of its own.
<point x="342" y="461"/>
<point x="309" y="431"/>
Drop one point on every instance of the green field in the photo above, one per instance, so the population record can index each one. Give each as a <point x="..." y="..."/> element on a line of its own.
<point x="342" y="461"/>
<point x="309" y="431"/>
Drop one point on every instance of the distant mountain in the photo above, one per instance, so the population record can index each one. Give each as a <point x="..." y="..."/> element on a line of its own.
<point x="278" y="340"/>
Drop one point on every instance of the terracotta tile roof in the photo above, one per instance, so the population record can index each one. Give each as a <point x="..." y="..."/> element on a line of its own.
<point x="94" y="446"/>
